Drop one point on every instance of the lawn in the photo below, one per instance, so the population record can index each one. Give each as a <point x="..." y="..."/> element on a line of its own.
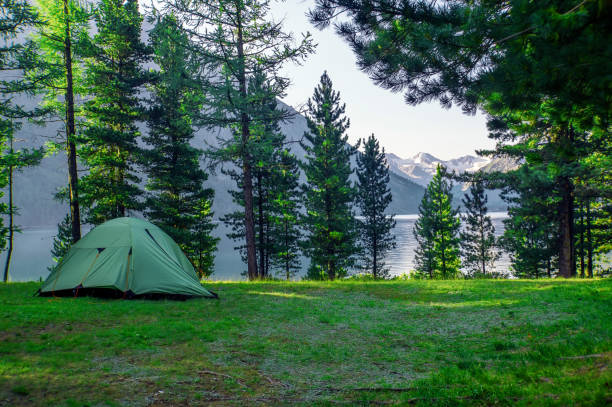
<point x="309" y="343"/>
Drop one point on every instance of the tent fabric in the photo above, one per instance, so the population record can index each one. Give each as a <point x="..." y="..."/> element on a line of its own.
<point x="128" y="255"/>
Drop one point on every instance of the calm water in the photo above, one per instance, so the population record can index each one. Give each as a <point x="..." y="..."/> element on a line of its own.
<point x="31" y="253"/>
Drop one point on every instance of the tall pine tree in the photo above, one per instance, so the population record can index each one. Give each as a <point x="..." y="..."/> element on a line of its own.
<point x="16" y="17"/>
<point x="177" y="201"/>
<point x="329" y="221"/>
<point x="115" y="76"/>
<point x="531" y="229"/>
<point x="238" y="39"/>
<point x="542" y="66"/>
<point x="58" y="75"/>
<point x="373" y="198"/>
<point x="285" y="232"/>
<point x="437" y="230"/>
<point x="478" y="243"/>
<point x="265" y="148"/>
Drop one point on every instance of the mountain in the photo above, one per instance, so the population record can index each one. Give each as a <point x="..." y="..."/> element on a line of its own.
<point x="35" y="187"/>
<point x="421" y="168"/>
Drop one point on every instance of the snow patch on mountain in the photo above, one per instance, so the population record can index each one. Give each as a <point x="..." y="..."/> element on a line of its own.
<point x="422" y="167"/>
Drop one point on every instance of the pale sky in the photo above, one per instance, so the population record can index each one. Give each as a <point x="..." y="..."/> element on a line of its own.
<point x="402" y="129"/>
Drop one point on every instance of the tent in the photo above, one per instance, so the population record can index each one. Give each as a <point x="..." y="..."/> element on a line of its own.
<point x="125" y="257"/>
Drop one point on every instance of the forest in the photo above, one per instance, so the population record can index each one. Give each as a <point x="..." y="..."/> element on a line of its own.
<point x="131" y="313"/>
<point x="130" y="102"/>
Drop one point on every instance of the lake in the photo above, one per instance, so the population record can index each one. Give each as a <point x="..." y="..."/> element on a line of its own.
<point x="31" y="253"/>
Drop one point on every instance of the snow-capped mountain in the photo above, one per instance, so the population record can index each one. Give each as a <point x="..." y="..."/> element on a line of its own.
<point x="422" y="167"/>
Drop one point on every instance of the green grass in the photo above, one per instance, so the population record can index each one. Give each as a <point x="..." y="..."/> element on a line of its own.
<point x="309" y="343"/>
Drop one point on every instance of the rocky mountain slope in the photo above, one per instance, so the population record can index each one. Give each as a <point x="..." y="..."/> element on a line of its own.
<point x="421" y="168"/>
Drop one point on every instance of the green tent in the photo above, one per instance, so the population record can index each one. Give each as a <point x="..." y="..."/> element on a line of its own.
<point x="125" y="257"/>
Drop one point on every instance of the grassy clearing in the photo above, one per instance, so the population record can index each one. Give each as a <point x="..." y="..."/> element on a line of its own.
<point x="310" y="343"/>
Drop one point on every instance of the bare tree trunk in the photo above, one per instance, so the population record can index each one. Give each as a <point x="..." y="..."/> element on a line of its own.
<point x="589" y="240"/>
<point x="260" y="221"/>
<point x="287" y="250"/>
<point x="567" y="266"/>
<point x="249" y="223"/>
<point x="331" y="270"/>
<point x="247" y="178"/>
<point x="374" y="257"/>
<point x="73" y="178"/>
<point x="9" y="253"/>
<point x="582" y="239"/>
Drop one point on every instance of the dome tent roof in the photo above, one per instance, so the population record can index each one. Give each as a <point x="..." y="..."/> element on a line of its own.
<point x="126" y="255"/>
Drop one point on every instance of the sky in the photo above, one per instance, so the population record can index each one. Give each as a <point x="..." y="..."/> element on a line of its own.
<point x="402" y="129"/>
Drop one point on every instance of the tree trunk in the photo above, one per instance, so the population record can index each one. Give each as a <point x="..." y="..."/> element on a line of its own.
<point x="260" y="221"/>
<point x="567" y="265"/>
<point x="73" y="178"/>
<point x="249" y="221"/>
<point x="287" y="250"/>
<point x="589" y="240"/>
<point x="582" y="239"/>
<point x="331" y="271"/>
<point x="374" y="257"/>
<point x="247" y="178"/>
<point x="9" y="253"/>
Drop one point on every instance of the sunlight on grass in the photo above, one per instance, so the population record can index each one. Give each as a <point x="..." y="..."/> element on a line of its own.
<point x="469" y="304"/>
<point x="284" y="295"/>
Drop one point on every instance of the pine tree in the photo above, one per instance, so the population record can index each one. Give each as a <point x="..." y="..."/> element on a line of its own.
<point x="59" y="79"/>
<point x="15" y="59"/>
<point x="286" y="202"/>
<point x="478" y="242"/>
<point x="61" y="242"/>
<point x="541" y="66"/>
<point x="437" y="229"/>
<point x="114" y="76"/>
<point x="177" y="201"/>
<point x="238" y="40"/>
<point x="424" y="233"/>
<point x="373" y="198"/>
<point x="531" y="229"/>
<point x="266" y="153"/>
<point x="201" y="248"/>
<point x="13" y="160"/>
<point x="329" y="221"/>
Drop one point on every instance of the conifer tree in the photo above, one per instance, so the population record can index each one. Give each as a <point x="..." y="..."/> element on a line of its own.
<point x="178" y="203"/>
<point x="114" y="76"/>
<point x="329" y="221"/>
<point x="478" y="242"/>
<point x="237" y="40"/>
<point x="202" y="245"/>
<point x="286" y="202"/>
<point x="424" y="232"/>
<point x="15" y="59"/>
<point x="59" y="78"/>
<point x="61" y="242"/>
<point x="373" y="198"/>
<point x="436" y="230"/>
<point x="542" y="67"/>
<point x="265" y="154"/>
<point x="531" y="229"/>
